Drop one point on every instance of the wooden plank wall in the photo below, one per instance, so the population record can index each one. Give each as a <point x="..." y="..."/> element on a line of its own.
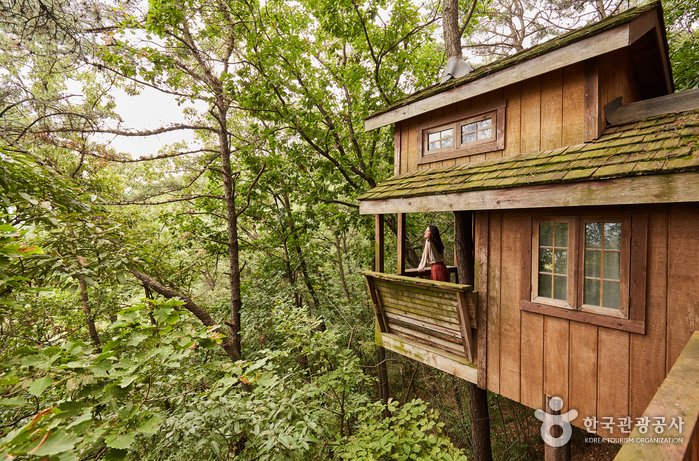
<point x="597" y="371"/>
<point x="542" y="113"/>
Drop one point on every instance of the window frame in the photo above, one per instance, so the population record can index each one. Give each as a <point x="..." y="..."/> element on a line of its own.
<point x="624" y="267"/>
<point x="570" y="301"/>
<point x="631" y="314"/>
<point x="496" y="111"/>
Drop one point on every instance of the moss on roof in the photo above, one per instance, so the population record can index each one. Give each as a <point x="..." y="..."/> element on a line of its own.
<point x="530" y="53"/>
<point x="664" y="144"/>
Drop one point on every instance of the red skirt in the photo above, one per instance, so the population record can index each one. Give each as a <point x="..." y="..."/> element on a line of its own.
<point x="439" y="272"/>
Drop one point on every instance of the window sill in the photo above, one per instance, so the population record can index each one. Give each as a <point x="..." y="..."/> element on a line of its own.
<point x="632" y="326"/>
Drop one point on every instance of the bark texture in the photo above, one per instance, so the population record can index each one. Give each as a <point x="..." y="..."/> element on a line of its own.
<point x="450" y="25"/>
<point x="88" y="315"/>
<point x="465" y="266"/>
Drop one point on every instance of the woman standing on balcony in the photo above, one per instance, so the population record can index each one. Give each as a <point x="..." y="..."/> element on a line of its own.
<point x="433" y="255"/>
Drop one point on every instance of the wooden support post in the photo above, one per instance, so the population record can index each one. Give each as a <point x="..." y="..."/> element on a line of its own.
<point x="480" y="417"/>
<point x="400" y="270"/>
<point x="380" y="351"/>
<point x="378" y="244"/>
<point x="591" y="111"/>
<point x="559" y="453"/>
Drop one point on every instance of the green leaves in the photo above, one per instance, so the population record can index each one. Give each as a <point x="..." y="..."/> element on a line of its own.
<point x="410" y="433"/>
<point x="57" y="442"/>
<point x="39" y="386"/>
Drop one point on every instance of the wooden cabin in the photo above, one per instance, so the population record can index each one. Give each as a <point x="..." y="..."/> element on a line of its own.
<point x="581" y="169"/>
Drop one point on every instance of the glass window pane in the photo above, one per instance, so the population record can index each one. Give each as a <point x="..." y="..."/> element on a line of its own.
<point x="612" y="236"/>
<point x="562" y="235"/>
<point x="433" y="146"/>
<point x="433" y="137"/>
<point x="544" y="285"/>
<point x="487" y="123"/>
<point x="591" y="292"/>
<point x="546" y="234"/>
<point x="560" y="287"/>
<point x="611" y="265"/>
<point x="560" y="262"/>
<point x="545" y="260"/>
<point x="447" y="142"/>
<point x="593" y="235"/>
<point x="449" y="132"/>
<point x="468" y="138"/>
<point x="484" y="134"/>
<point x="593" y="263"/>
<point x="610" y="295"/>
<point x="468" y="128"/>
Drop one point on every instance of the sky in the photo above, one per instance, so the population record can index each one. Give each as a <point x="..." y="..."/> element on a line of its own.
<point x="151" y="109"/>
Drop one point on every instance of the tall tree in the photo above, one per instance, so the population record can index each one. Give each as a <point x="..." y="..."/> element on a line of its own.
<point x="510" y="26"/>
<point x="454" y="27"/>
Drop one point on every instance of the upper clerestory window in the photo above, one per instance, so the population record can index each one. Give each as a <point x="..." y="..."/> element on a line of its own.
<point x="468" y="133"/>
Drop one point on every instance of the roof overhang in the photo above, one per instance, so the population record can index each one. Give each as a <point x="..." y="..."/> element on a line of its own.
<point x="597" y="45"/>
<point x="663" y="188"/>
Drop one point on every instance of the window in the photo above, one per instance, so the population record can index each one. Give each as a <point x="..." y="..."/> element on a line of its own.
<point x="441" y="139"/>
<point x="477" y="131"/>
<point x="467" y="133"/>
<point x="581" y="269"/>
<point x="554" y="242"/>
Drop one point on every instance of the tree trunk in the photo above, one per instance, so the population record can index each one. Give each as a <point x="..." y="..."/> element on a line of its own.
<point x="480" y="417"/>
<point x="450" y="26"/>
<point x="410" y="255"/>
<point x="302" y="259"/>
<point x="232" y="231"/>
<point x="88" y="315"/>
<point x="380" y="351"/>
<point x="599" y="6"/>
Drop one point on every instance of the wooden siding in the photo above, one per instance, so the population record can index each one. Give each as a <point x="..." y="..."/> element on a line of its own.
<point x="543" y="112"/>
<point x="598" y="371"/>
<point x="676" y="400"/>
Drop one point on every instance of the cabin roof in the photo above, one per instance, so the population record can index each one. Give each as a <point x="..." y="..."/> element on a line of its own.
<point x="663" y="144"/>
<point x="399" y="110"/>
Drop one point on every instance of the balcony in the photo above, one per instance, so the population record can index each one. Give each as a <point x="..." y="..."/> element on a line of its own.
<point x="430" y="322"/>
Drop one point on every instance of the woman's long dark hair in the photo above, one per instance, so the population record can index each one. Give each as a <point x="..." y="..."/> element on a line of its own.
<point x="436" y="239"/>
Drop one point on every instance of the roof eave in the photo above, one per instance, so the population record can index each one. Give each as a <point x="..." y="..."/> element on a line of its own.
<point x="635" y="190"/>
<point x="602" y="43"/>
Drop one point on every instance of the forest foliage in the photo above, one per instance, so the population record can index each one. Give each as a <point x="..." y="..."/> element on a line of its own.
<point x="204" y="301"/>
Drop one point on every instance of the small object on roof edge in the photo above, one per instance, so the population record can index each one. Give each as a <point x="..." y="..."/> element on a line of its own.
<point x="456" y="68"/>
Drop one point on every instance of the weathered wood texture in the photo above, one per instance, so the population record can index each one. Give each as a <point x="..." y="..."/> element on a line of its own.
<point x="543" y="112"/>
<point x="481" y="285"/>
<point x="600" y="372"/>
<point x="432" y="356"/>
<point x="678" y="397"/>
<point x="661" y="188"/>
<point x="641" y="110"/>
<point x="424" y="312"/>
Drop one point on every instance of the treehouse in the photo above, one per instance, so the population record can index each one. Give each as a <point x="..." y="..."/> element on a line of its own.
<point x="573" y="171"/>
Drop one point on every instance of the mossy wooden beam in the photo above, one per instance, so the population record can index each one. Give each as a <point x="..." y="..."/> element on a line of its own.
<point x="431" y="356"/>
<point x="418" y="282"/>
<point x="678" y="397"/>
<point x="660" y="188"/>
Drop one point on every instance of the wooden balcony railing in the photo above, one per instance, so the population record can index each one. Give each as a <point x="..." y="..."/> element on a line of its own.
<point x="426" y="274"/>
<point x="425" y="320"/>
<point x="678" y="400"/>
